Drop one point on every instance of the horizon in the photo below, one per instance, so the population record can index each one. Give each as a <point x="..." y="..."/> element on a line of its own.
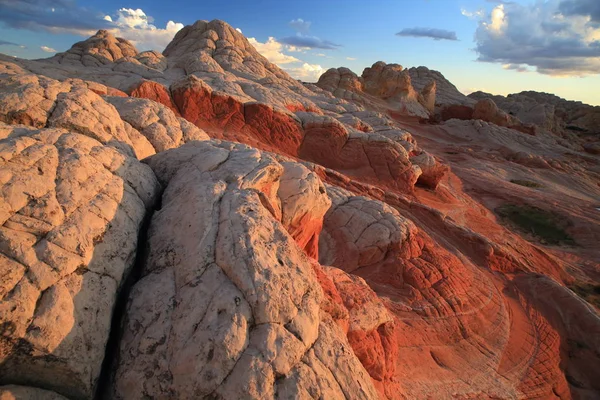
<point x="473" y="43"/>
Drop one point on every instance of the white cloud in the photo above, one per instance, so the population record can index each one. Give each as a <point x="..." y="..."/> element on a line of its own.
<point x="47" y="49"/>
<point x="272" y="50"/>
<point x="540" y="37"/>
<point x="306" y="72"/>
<point x="350" y="58"/>
<point x="136" y="26"/>
<point x="239" y="30"/>
<point x="472" y="14"/>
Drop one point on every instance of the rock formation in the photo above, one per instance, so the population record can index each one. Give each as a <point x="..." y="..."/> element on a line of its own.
<point x="572" y="120"/>
<point x="198" y="224"/>
<point x="382" y="86"/>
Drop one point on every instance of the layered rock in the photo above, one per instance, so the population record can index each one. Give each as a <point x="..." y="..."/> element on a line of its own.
<point x="71" y="213"/>
<point x="258" y="280"/>
<point x="389" y="83"/>
<point x="228" y="317"/>
<point x="446" y="94"/>
<point x="547" y="111"/>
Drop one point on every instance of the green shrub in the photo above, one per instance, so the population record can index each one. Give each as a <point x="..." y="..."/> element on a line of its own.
<point x="546" y="226"/>
<point x="527" y="183"/>
<point x="587" y="291"/>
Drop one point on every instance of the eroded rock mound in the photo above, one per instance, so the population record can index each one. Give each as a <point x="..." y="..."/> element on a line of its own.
<point x="257" y="280"/>
<point x="71" y="211"/>
<point x="228" y="317"/>
<point x="382" y="86"/>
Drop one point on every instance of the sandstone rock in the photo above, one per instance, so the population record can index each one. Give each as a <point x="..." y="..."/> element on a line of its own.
<point x="154" y="91"/>
<point x="249" y="309"/>
<point x="71" y="212"/>
<point x="157" y="123"/>
<point x="102" y="48"/>
<point x="486" y="110"/>
<point x="368" y="156"/>
<point x="303" y="205"/>
<point x="547" y="111"/>
<point x="445" y="94"/>
<point x="14" y="392"/>
<point x="387" y="82"/>
<point x="426" y="295"/>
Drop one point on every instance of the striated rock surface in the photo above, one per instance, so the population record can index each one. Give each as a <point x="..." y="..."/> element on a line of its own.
<point x="326" y="254"/>
<point x="71" y="211"/>
<point x="14" y="392"/>
<point x="446" y="93"/>
<point x="382" y="86"/>
<point x="548" y="111"/>
<point x="227" y="317"/>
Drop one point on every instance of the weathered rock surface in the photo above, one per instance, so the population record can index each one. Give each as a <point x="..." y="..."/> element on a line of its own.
<point x="257" y="279"/>
<point x="446" y="93"/>
<point x="14" y="392"/>
<point x="71" y="210"/>
<point x="381" y="86"/>
<point x="548" y="111"/>
<point x="228" y="303"/>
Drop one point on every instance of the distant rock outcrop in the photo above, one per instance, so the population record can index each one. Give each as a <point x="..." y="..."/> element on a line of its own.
<point x="548" y="111"/>
<point x="382" y="86"/>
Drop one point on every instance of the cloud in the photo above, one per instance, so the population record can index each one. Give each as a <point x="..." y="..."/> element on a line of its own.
<point x="589" y="8"/>
<point x="350" y="58"/>
<point x="66" y="16"/>
<point x="272" y="50"/>
<point x="309" y="42"/>
<point x="6" y="43"/>
<point x="55" y="16"/>
<point x="300" y="25"/>
<point x="472" y="14"/>
<point x="136" y="26"/>
<point x="432" y="33"/>
<point x="306" y="72"/>
<point x="48" y="49"/>
<point x="516" y="67"/>
<point x="542" y="37"/>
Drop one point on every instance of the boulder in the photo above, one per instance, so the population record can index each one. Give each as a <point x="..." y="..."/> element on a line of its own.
<point x="228" y="303"/>
<point x="71" y="212"/>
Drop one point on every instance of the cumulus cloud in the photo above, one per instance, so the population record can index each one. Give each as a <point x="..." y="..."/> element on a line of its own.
<point x="553" y="37"/>
<point x="584" y="8"/>
<point x="66" y="16"/>
<point x="309" y="42"/>
<point x="139" y="28"/>
<point x="432" y="33"/>
<point x="47" y="49"/>
<point x="306" y="72"/>
<point x="272" y="50"/>
<point x="300" y="25"/>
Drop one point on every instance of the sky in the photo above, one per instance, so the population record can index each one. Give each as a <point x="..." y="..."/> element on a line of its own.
<point x="496" y="46"/>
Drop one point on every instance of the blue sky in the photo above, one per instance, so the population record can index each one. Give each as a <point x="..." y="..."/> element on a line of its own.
<point x="550" y="45"/>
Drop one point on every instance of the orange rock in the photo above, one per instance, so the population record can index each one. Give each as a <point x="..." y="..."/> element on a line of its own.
<point x="154" y="91"/>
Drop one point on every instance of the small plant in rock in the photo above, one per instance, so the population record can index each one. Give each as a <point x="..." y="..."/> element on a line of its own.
<point x="526" y="183"/>
<point x="547" y="227"/>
